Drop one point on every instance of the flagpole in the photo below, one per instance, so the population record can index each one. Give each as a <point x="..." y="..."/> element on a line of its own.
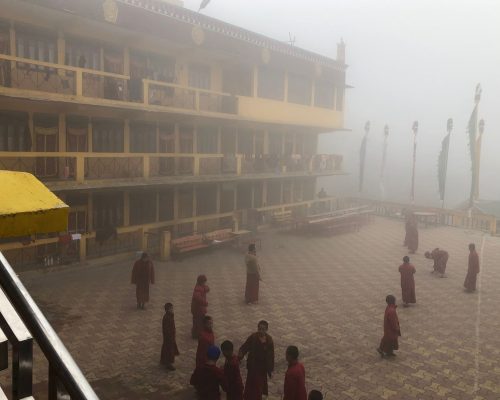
<point x="384" y="155"/>
<point x="449" y="128"/>
<point x="478" y="157"/>
<point x="362" y="156"/>
<point x="473" y="142"/>
<point x="415" y="131"/>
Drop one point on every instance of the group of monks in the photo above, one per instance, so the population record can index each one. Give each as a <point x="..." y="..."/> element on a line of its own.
<point x="392" y="330"/>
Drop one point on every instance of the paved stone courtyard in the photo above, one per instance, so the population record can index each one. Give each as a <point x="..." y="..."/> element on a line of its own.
<point x="324" y="294"/>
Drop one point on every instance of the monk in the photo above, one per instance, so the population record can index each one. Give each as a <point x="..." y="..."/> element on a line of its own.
<point x="169" y="348"/>
<point x="143" y="274"/>
<point x="199" y="305"/>
<point x="440" y="258"/>
<point x="389" y="341"/>
<point x="315" y="395"/>
<point x="260" y="362"/>
<point x="207" y="379"/>
<point x="232" y="372"/>
<point x="253" y="275"/>
<point x="205" y="340"/>
<point x="407" y="281"/>
<point x="295" y="376"/>
<point x="411" y="239"/>
<point x="473" y="270"/>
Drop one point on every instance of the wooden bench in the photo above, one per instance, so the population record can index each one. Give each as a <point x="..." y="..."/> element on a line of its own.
<point x="187" y="244"/>
<point x="282" y="218"/>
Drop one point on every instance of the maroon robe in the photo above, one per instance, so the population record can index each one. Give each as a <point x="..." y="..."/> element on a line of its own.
<point x="205" y="340"/>
<point x="233" y="379"/>
<point x="199" y="306"/>
<point x="440" y="258"/>
<point x="260" y="363"/>
<point x="407" y="228"/>
<point x="207" y="379"/>
<point x="472" y="271"/>
<point x="408" y="283"/>
<point x="253" y="278"/>
<point x="295" y="382"/>
<point x="143" y="274"/>
<point x="389" y="341"/>
<point x="412" y="236"/>
<point x="169" y="348"/>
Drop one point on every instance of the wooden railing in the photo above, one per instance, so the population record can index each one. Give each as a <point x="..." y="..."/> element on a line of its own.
<point x="80" y="167"/>
<point x="443" y="216"/>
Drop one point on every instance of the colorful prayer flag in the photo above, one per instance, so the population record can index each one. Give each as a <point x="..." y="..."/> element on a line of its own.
<point x="472" y="133"/>
<point x="203" y="4"/>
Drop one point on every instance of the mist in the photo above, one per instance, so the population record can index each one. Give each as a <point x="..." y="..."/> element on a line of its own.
<point x="408" y="60"/>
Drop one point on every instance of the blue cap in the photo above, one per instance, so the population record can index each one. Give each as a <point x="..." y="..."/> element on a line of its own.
<point x="213" y="353"/>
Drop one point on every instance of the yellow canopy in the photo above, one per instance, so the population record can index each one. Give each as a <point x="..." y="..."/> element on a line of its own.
<point x="27" y="207"/>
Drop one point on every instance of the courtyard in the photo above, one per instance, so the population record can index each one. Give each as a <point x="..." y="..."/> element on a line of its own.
<point x="324" y="294"/>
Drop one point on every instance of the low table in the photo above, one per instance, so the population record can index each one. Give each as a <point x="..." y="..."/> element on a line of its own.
<point x="427" y="218"/>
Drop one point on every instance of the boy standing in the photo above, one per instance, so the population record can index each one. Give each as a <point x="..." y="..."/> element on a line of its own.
<point x="169" y="348"/>
<point x="232" y="372"/>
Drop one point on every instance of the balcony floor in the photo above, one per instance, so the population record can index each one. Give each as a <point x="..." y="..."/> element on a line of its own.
<point x="450" y="338"/>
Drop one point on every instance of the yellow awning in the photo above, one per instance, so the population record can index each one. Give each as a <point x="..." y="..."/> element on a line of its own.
<point x="27" y="207"/>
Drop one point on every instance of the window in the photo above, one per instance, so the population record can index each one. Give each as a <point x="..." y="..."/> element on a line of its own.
<point x="237" y="81"/>
<point x="4" y="39"/>
<point x="83" y="55"/>
<point x="108" y="210"/>
<point x="166" y="205"/>
<point x="76" y="134"/>
<point x="275" y="143"/>
<point x="142" y="207"/>
<point x="245" y="141"/>
<point x="299" y="89"/>
<point x="161" y="69"/>
<point x="324" y="94"/>
<point x="14" y="132"/>
<point x="185" y="202"/>
<point x="244" y="196"/>
<point x="207" y="139"/>
<point x="107" y="137"/>
<point x="142" y="138"/>
<point x="227" y="197"/>
<point x="271" y="83"/>
<point x="206" y="200"/>
<point x="199" y="76"/>
<point x="289" y="144"/>
<point x="36" y="46"/>
<point x="287" y="192"/>
<point x="228" y="140"/>
<point x="257" y="194"/>
<point x="113" y="61"/>
<point x="273" y="193"/>
<point x="167" y="138"/>
<point x="186" y="139"/>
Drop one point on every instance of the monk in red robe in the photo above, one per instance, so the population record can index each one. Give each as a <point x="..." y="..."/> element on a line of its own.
<point x="253" y="275"/>
<point x="143" y="274"/>
<point x="295" y="376"/>
<point x="411" y="239"/>
<point x="199" y="305"/>
<point x="407" y="281"/>
<point x="207" y="379"/>
<point x="205" y="340"/>
<point x="389" y="341"/>
<point x="232" y="372"/>
<point x="169" y="348"/>
<point x="260" y="362"/>
<point x="315" y="395"/>
<point x="473" y="270"/>
<point x="440" y="258"/>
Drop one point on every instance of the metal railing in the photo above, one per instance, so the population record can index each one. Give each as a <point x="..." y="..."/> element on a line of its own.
<point x="21" y="321"/>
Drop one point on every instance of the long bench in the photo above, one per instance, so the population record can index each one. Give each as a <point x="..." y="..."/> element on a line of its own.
<point x="282" y="218"/>
<point x="187" y="244"/>
<point x="220" y="237"/>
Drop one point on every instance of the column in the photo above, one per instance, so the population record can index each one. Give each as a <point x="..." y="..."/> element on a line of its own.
<point x="217" y="199"/>
<point x="255" y="80"/>
<point x="126" y="136"/>
<point x="61" y="145"/>
<point x="61" y="48"/>
<point x="89" y="136"/>
<point x="126" y="208"/>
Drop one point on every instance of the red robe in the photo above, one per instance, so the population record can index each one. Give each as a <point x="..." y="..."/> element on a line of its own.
<point x="233" y="379"/>
<point x="412" y="237"/>
<point x="440" y="258"/>
<point x="169" y="348"/>
<point x="260" y="363"/>
<point x="205" y="340"/>
<point x="408" y="283"/>
<point x="199" y="306"/>
<point x="143" y="274"/>
<point x="472" y="271"/>
<point x="207" y="379"/>
<point x="295" y="382"/>
<point x="389" y="341"/>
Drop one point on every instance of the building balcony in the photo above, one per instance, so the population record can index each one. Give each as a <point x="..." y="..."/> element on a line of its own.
<point x="43" y="81"/>
<point x="73" y="171"/>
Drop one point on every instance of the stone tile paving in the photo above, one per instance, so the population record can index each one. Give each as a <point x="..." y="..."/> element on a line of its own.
<point x="323" y="294"/>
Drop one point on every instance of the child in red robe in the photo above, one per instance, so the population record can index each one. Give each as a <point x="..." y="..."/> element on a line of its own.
<point x="407" y="281"/>
<point x="473" y="270"/>
<point x="207" y="379"/>
<point x="169" y="348"/>
<point x="295" y="376"/>
<point x="199" y="305"/>
<point x="205" y="340"/>
<point x="232" y="372"/>
<point x="389" y="341"/>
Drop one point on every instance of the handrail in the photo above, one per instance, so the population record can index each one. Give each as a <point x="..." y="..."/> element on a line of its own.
<point x="60" y="360"/>
<point x="194" y="89"/>
<point x="63" y="66"/>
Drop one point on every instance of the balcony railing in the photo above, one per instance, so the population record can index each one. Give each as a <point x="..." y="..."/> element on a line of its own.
<point x="21" y="321"/>
<point x="34" y="75"/>
<point x="80" y="167"/>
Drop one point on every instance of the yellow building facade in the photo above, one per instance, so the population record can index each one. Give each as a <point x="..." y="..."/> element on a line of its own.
<point x="144" y="117"/>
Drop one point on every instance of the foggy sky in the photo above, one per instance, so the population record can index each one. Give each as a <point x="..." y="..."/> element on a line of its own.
<point x="408" y="60"/>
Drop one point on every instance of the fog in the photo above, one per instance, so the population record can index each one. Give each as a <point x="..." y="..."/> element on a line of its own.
<point x="408" y="60"/>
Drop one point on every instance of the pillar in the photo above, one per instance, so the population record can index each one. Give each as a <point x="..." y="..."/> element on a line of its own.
<point x="255" y="80"/>
<point x="165" y="239"/>
<point x="83" y="248"/>
<point x="61" y="48"/>
<point x="126" y="208"/>
<point x="126" y="136"/>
